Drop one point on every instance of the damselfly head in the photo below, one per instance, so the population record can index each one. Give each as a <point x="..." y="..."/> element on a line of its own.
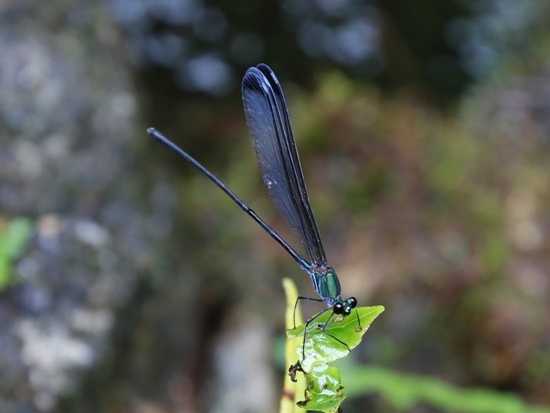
<point x="344" y="307"/>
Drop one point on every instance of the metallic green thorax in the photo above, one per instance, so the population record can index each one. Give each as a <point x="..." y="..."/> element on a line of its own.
<point x="325" y="281"/>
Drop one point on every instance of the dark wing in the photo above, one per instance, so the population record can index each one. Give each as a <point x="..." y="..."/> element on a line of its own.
<point x="273" y="141"/>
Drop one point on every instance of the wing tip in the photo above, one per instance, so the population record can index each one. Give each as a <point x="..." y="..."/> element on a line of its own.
<point x="261" y="78"/>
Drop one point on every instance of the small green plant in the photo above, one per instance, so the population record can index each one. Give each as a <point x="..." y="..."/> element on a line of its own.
<point x="14" y="236"/>
<point x="322" y="344"/>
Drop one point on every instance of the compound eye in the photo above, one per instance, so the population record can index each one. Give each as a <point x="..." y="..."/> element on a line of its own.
<point x="338" y="308"/>
<point x="352" y="302"/>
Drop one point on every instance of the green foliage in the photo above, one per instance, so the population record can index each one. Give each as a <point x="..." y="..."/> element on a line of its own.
<point x="406" y="390"/>
<point x="322" y="343"/>
<point x="14" y="236"/>
<point x="292" y="388"/>
<point x="324" y="390"/>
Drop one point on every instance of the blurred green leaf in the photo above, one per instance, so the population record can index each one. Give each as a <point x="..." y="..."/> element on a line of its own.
<point x="14" y="236"/>
<point x="405" y="390"/>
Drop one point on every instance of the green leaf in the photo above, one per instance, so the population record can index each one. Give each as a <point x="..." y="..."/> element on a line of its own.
<point x="5" y="272"/>
<point x="293" y="388"/>
<point x="324" y="390"/>
<point x="325" y="342"/>
<point x="404" y="391"/>
<point x="14" y="236"/>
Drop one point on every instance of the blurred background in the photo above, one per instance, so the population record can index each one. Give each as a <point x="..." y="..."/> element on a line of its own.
<point x="130" y="283"/>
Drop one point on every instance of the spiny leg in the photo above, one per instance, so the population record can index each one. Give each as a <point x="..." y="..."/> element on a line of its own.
<point x="296" y="305"/>
<point x="358" y="320"/>
<point x="307" y="324"/>
<point x="324" y="329"/>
